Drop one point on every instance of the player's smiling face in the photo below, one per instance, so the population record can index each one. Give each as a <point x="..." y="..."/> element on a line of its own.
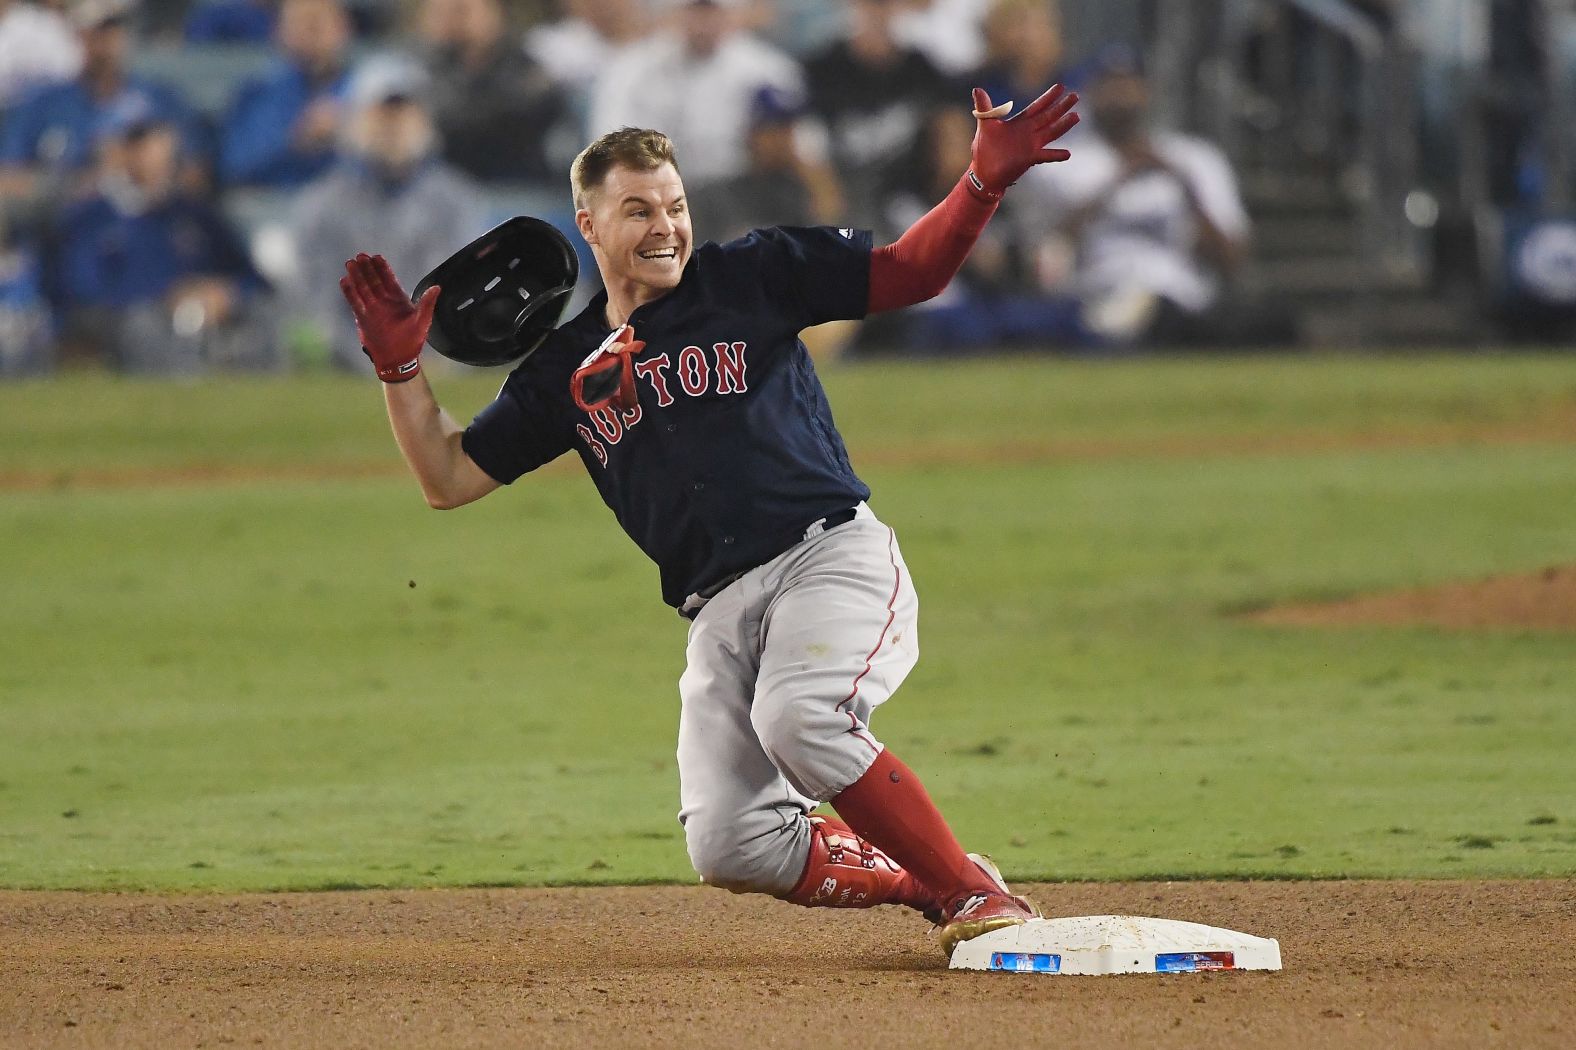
<point x="638" y="226"/>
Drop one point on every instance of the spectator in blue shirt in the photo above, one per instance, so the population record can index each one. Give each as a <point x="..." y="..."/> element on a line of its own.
<point x="283" y="127"/>
<point x="47" y="142"/>
<point x="26" y="335"/>
<point x="149" y="275"/>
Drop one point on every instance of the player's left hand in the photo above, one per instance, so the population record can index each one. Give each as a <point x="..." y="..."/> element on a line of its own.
<point x="1006" y="147"/>
<point x="391" y="327"/>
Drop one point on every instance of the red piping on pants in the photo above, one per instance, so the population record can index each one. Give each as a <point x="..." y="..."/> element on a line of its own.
<point x="897" y="583"/>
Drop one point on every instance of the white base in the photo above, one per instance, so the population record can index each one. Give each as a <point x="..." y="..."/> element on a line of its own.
<point x="1101" y="944"/>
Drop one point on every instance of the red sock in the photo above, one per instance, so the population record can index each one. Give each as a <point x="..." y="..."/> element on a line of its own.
<point x="889" y="807"/>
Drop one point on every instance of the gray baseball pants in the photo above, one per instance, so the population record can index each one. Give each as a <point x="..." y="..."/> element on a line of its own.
<point x="784" y="668"/>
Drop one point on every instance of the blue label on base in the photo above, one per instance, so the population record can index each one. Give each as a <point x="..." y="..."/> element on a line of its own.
<point x="1185" y="962"/>
<point x="1026" y="962"/>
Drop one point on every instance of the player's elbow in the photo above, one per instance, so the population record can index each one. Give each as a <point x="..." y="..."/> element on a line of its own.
<point x="441" y="500"/>
<point x="442" y="497"/>
<point x="456" y="493"/>
<point x="454" y="483"/>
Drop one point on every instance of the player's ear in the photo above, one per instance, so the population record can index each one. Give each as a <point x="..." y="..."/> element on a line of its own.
<point x="584" y="225"/>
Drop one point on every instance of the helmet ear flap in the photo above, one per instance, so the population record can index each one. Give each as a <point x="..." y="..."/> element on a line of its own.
<point x="502" y="293"/>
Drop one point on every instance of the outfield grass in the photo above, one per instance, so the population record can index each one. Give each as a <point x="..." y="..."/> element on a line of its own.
<point x="287" y="680"/>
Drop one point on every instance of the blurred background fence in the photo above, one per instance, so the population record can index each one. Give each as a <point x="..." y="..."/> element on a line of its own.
<point x="179" y="182"/>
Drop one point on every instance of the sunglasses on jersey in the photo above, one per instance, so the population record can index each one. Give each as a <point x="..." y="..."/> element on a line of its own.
<point x="606" y="378"/>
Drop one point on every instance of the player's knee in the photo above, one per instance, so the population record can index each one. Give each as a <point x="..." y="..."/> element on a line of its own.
<point x="713" y="852"/>
<point x="725" y="857"/>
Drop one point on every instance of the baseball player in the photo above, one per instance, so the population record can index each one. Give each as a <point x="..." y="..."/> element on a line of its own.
<point x="687" y="394"/>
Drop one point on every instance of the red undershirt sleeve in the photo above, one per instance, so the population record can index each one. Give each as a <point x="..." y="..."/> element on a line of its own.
<point x="929" y="254"/>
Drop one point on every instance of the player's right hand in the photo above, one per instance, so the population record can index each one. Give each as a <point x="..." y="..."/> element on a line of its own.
<point x="1006" y="147"/>
<point x="392" y="328"/>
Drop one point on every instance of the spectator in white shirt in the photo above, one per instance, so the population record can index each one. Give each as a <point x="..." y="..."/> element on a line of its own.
<point x="697" y="83"/>
<point x="37" y="46"/>
<point x="575" y="49"/>
<point x="948" y="32"/>
<point x="1154" y="216"/>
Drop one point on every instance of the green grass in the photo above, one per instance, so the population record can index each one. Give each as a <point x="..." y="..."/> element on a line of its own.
<point x="237" y="686"/>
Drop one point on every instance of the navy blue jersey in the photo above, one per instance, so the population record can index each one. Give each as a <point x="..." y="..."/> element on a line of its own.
<point x="731" y="452"/>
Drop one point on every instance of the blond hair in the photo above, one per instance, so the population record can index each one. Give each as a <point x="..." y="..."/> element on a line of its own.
<point x="640" y="149"/>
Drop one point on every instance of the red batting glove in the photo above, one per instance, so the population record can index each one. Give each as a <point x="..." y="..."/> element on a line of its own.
<point x="392" y="328"/>
<point x="1006" y="148"/>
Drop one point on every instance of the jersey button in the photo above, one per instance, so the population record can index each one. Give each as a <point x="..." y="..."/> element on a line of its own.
<point x="727" y="539"/>
<point x="672" y="427"/>
<point x="699" y="486"/>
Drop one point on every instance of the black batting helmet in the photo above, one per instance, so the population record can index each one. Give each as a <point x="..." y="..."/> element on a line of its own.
<point x="502" y="293"/>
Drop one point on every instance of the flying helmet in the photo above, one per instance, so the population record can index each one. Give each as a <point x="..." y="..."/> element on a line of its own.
<point x="502" y="293"/>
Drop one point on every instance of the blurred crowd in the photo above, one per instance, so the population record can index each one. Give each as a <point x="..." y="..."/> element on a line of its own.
<point x="129" y="213"/>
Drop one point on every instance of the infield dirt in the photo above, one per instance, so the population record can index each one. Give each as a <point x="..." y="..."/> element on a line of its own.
<point x="1368" y="964"/>
<point x="1539" y="601"/>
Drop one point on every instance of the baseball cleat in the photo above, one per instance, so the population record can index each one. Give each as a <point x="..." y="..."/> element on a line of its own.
<point x="936" y="912"/>
<point x="979" y="913"/>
